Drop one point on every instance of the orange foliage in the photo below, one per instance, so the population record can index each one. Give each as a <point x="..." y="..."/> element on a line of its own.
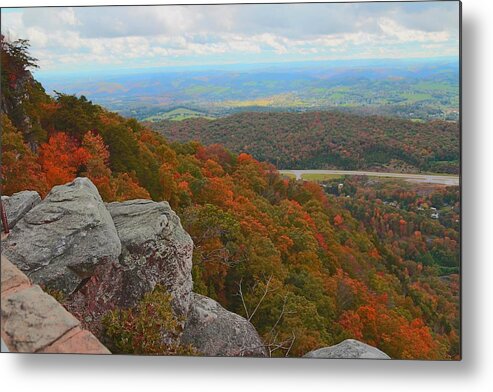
<point x="20" y="169"/>
<point x="97" y="165"/>
<point x="61" y="159"/>
<point x="127" y="188"/>
<point x="338" y="220"/>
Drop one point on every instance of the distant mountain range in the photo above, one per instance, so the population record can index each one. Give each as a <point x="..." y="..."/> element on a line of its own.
<point x="416" y="89"/>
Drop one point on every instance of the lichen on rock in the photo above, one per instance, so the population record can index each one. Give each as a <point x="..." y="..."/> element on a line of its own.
<point x="155" y="250"/>
<point x="60" y="242"/>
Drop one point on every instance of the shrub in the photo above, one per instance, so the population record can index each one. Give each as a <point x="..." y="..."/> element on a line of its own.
<point x="150" y="328"/>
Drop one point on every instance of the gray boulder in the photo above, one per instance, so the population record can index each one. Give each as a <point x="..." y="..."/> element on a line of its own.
<point x="17" y="205"/>
<point x="348" y="348"/>
<point x="214" y="331"/>
<point x="60" y="242"/>
<point x="155" y="250"/>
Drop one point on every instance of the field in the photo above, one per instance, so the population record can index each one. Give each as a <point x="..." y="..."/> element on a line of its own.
<point x="177" y="115"/>
<point x="289" y="175"/>
<point x="320" y="177"/>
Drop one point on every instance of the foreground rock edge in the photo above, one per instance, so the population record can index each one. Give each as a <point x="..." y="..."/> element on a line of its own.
<point x="18" y="205"/>
<point x="33" y="321"/>
<point x="348" y="349"/>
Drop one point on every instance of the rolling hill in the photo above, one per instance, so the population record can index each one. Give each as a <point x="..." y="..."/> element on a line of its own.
<point x="328" y="140"/>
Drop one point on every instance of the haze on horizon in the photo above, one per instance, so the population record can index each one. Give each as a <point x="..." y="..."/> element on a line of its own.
<point x="92" y="39"/>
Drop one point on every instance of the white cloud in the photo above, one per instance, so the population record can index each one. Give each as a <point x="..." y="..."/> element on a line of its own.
<point x="67" y="17"/>
<point x="403" y="34"/>
<point x="163" y="34"/>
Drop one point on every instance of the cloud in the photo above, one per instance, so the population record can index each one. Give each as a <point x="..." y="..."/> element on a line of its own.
<point x="161" y="35"/>
<point x="403" y="34"/>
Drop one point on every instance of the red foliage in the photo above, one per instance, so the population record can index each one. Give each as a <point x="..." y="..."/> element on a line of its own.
<point x="338" y="220"/>
<point x="61" y="159"/>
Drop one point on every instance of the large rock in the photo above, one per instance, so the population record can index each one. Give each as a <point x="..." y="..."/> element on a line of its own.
<point x="155" y="250"/>
<point x="17" y="205"/>
<point x="60" y="242"/>
<point x="214" y="331"/>
<point x="348" y="348"/>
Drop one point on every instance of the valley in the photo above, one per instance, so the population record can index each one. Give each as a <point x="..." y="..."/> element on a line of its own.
<point x="320" y="175"/>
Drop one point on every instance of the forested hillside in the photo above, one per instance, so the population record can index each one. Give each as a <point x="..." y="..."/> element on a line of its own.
<point x="309" y="268"/>
<point x="328" y="140"/>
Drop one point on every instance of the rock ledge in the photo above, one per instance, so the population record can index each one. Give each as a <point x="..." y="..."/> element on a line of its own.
<point x="348" y="348"/>
<point x="215" y="331"/>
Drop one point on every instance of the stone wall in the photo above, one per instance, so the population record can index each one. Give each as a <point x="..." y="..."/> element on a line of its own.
<point x="33" y="321"/>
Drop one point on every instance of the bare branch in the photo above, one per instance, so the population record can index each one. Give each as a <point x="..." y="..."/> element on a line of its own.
<point x="280" y="315"/>
<point x="272" y="345"/>
<point x="242" y="298"/>
<point x="261" y="299"/>
<point x="291" y="345"/>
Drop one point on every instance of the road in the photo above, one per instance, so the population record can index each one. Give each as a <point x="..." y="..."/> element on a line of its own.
<point x="426" y="178"/>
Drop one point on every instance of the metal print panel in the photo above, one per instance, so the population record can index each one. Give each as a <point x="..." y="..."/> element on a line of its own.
<point x="263" y="180"/>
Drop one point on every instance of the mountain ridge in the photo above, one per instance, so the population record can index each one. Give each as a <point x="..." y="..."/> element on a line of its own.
<point x="328" y="140"/>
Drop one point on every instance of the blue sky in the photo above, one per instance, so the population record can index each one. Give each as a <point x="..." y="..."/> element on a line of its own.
<point x="103" y="38"/>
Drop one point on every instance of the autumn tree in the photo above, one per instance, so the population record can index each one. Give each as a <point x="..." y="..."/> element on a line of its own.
<point x="97" y="169"/>
<point x="62" y="159"/>
<point x="20" y="169"/>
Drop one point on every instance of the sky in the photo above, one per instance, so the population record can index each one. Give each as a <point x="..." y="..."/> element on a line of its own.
<point x="77" y="39"/>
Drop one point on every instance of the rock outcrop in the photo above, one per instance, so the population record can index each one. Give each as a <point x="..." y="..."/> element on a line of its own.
<point x="348" y="349"/>
<point x="155" y="250"/>
<point x="60" y="242"/>
<point x="214" y="331"/>
<point x="106" y="256"/>
<point x="17" y="205"/>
